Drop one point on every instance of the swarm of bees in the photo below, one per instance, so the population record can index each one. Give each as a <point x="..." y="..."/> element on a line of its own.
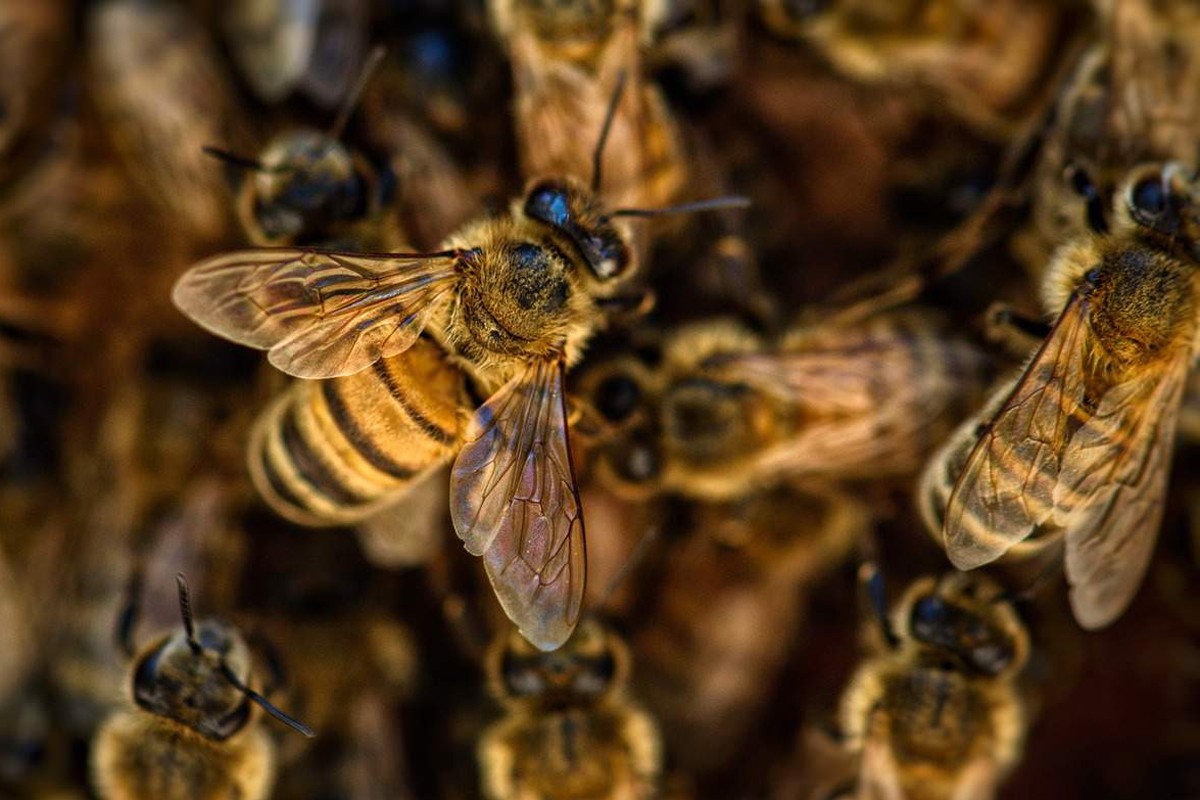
<point x="808" y="383"/>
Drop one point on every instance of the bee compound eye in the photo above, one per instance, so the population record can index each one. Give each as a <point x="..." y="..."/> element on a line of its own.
<point x="1148" y="196"/>
<point x="617" y="397"/>
<point x="547" y="202"/>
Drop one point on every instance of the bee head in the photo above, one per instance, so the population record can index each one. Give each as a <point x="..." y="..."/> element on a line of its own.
<point x="199" y="677"/>
<point x="587" y="667"/>
<point x="176" y="680"/>
<point x="574" y="214"/>
<point x="307" y="180"/>
<point x="967" y="617"/>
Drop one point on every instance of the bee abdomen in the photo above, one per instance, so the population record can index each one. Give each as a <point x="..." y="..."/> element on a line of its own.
<point x="331" y="452"/>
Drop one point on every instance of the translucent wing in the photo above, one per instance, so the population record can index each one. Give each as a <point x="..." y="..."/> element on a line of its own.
<point x="867" y="404"/>
<point x="1112" y="487"/>
<point x="513" y="501"/>
<point x="1006" y="489"/>
<point x="829" y="380"/>
<point x="320" y="314"/>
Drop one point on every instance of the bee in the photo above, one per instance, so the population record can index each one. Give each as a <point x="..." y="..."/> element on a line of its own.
<point x="935" y="712"/>
<point x="163" y="94"/>
<point x="728" y="610"/>
<point x="192" y="731"/>
<point x="567" y="61"/>
<point x="388" y="342"/>
<point x="731" y="413"/>
<point x="1078" y="449"/>
<point x="281" y="46"/>
<point x="36" y="38"/>
<point x="308" y="187"/>
<point x="569" y="730"/>
<point x="1128" y="101"/>
<point x="985" y="64"/>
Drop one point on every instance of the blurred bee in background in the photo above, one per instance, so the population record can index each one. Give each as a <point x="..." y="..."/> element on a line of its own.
<point x="36" y="39"/>
<point x="315" y="47"/>
<point x="985" y="64"/>
<point x="192" y="731"/>
<point x="163" y="94"/>
<point x="1079" y="448"/>
<point x="1128" y="101"/>
<point x="510" y="302"/>
<point x="339" y="644"/>
<point x="308" y="188"/>
<point x="567" y="61"/>
<point x="570" y="729"/>
<point x="726" y="613"/>
<point x="727" y="413"/>
<point x="934" y="712"/>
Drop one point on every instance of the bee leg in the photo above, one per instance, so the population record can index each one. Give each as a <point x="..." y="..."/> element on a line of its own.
<point x="466" y="629"/>
<point x="873" y="594"/>
<point x="1016" y="332"/>
<point x="1082" y="183"/>
<point x="637" y="305"/>
<point x="130" y="610"/>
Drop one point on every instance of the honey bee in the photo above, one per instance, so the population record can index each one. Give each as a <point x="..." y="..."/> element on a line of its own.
<point x="569" y="730"/>
<point x="35" y="38"/>
<point x="510" y="303"/>
<point x="1128" y="101"/>
<point x="192" y="731"/>
<point x="163" y="94"/>
<point x="728" y="610"/>
<point x="1078" y="449"/>
<point x="983" y="63"/>
<point x="567" y="61"/>
<point x="935" y="713"/>
<point x="309" y="188"/>
<point x="732" y="413"/>
<point x="281" y="46"/>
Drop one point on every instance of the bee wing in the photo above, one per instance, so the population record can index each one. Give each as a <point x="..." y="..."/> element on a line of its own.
<point x="1112" y="487"/>
<point x="320" y="314"/>
<point x="513" y="501"/>
<point x="824" y="380"/>
<point x="1006" y="488"/>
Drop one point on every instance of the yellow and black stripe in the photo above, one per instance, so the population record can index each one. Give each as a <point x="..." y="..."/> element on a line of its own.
<point x="332" y="451"/>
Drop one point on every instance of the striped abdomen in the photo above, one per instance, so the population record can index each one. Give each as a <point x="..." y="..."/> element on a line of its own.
<point x="333" y="451"/>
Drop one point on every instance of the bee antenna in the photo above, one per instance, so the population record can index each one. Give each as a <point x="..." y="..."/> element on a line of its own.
<point x="636" y="556"/>
<point x="348" y="105"/>
<point x="266" y="704"/>
<point x="185" y="611"/>
<point x="241" y="162"/>
<point x="609" y="115"/>
<point x="713" y="204"/>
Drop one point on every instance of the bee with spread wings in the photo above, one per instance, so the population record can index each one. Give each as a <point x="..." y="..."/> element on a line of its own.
<point x="388" y="342"/>
<point x="1081" y="445"/>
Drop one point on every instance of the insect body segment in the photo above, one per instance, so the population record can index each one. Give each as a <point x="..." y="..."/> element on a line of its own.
<point x="1080" y="446"/>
